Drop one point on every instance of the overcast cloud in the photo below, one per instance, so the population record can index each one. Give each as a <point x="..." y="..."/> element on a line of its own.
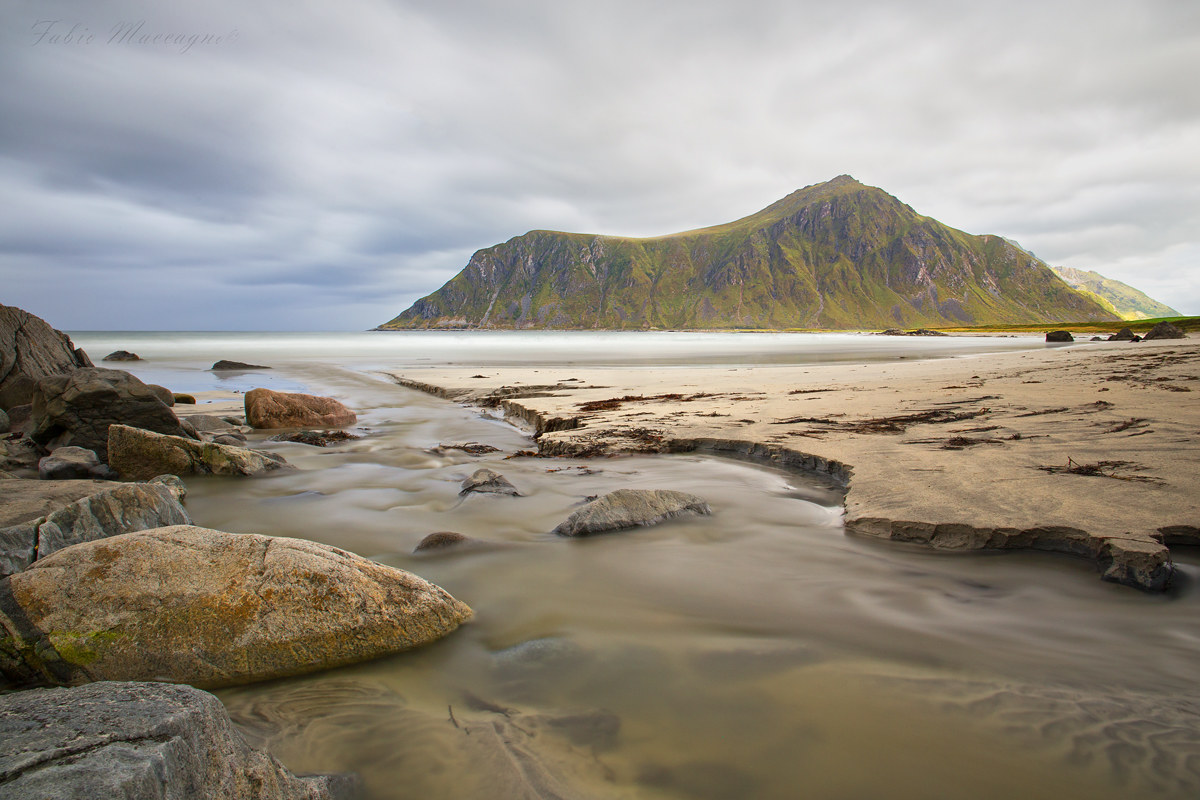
<point x="301" y="165"/>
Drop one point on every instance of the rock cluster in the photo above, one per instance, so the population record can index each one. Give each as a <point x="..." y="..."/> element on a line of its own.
<point x="77" y="408"/>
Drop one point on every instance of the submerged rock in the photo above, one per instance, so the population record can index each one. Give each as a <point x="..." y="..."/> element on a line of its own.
<point x="31" y="350"/>
<point x="1164" y="330"/>
<point x="111" y="511"/>
<point x="224" y="365"/>
<point x="122" y="355"/>
<point x="140" y="741"/>
<point x="140" y="455"/>
<point x="269" y="409"/>
<point x="315" y="438"/>
<point x="77" y="409"/>
<point x="1059" y="336"/>
<point x="487" y="481"/>
<point x="630" y="508"/>
<point x="192" y="605"/>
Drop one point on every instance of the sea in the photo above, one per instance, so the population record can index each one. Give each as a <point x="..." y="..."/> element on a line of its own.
<point x="759" y="652"/>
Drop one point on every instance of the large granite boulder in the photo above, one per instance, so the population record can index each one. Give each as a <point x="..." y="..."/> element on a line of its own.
<point x="29" y="351"/>
<point x="1164" y="330"/>
<point x="487" y="481"/>
<point x="78" y="408"/>
<point x="192" y="605"/>
<point x="140" y="455"/>
<point x="269" y="409"/>
<point x="140" y="741"/>
<point x="113" y="510"/>
<point x="630" y="508"/>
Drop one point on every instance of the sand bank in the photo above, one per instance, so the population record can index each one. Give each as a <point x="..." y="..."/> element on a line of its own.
<point x="1091" y="450"/>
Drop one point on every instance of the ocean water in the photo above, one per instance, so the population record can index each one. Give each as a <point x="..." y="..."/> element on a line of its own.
<point x="755" y="653"/>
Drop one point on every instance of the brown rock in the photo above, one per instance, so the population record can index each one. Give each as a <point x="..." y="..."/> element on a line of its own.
<point x="191" y="605"/>
<point x="269" y="409"/>
<point x="1164" y="330"/>
<point x="122" y="355"/>
<point x="29" y="351"/>
<point x="629" y="508"/>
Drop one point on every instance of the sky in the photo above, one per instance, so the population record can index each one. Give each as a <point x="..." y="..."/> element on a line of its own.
<point x="304" y="165"/>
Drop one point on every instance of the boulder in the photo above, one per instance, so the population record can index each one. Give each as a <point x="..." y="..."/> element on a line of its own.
<point x="223" y="365"/>
<point x="111" y="511"/>
<point x="77" y="409"/>
<point x="1059" y="336"/>
<point x="269" y="409"/>
<point x="315" y="438"/>
<point x="29" y="351"/>
<point x="630" y="508"/>
<point x="163" y="393"/>
<point x="122" y="355"/>
<point x="67" y="463"/>
<point x="184" y="399"/>
<point x="191" y="605"/>
<point x="1164" y="330"/>
<point x="140" y="455"/>
<point x="485" y="480"/>
<point x="140" y="741"/>
<point x="449" y="541"/>
<point x="1123" y="335"/>
<point x="20" y="418"/>
<point x="208" y="422"/>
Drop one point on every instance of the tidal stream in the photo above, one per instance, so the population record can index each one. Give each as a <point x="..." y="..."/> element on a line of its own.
<point x="756" y="653"/>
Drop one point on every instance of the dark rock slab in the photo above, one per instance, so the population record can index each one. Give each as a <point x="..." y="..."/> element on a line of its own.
<point x="630" y="508"/>
<point x="1059" y="336"/>
<point x="69" y="463"/>
<point x="31" y="350"/>
<point x="122" y="355"/>
<point x="140" y="741"/>
<point x="78" y="408"/>
<point x="1123" y="335"/>
<point x="231" y="366"/>
<point x="193" y="605"/>
<point x="489" y="482"/>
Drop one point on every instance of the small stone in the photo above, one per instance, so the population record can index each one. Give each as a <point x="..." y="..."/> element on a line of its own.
<point x="487" y="481"/>
<point x="67" y="463"/>
<point x="630" y="508"/>
<point x="122" y="355"/>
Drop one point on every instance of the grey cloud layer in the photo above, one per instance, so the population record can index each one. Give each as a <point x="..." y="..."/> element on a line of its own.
<point x="350" y="157"/>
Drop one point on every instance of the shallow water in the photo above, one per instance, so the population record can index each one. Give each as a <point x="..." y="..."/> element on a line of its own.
<point x="756" y="653"/>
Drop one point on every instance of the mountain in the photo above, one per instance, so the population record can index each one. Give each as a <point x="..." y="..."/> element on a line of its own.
<point x="836" y="255"/>
<point x="1123" y="300"/>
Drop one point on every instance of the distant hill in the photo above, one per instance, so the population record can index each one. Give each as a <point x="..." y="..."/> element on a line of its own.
<point x="836" y="255"/>
<point x="1123" y="300"/>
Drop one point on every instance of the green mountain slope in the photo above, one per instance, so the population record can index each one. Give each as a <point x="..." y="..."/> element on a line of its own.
<point x="837" y="255"/>
<point x="1122" y="299"/>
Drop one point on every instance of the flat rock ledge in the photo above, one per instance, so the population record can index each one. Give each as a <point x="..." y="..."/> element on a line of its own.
<point x="140" y="741"/>
<point x="1139" y="560"/>
<point x="185" y="604"/>
<point x="631" y="508"/>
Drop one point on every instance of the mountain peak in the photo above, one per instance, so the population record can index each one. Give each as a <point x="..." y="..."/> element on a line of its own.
<point x="835" y="255"/>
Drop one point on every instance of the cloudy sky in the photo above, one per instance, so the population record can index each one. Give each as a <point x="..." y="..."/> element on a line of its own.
<point x="305" y="165"/>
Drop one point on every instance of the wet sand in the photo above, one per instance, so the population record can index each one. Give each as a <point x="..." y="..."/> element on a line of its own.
<point x="1090" y="450"/>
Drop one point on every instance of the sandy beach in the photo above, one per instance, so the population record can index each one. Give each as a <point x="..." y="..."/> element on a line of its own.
<point x="1090" y="450"/>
